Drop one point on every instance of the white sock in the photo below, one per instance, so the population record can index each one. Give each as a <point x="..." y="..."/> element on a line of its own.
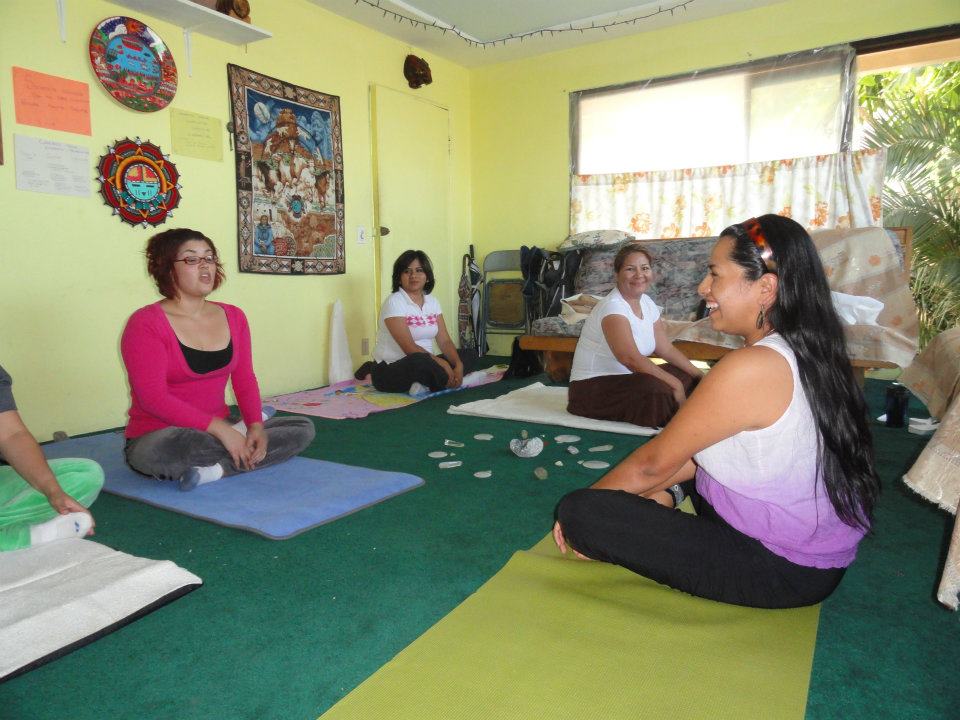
<point x="75" y="524"/>
<point x="210" y="473"/>
<point x="418" y="389"/>
<point x="474" y="378"/>
<point x="241" y="427"/>
<point x="200" y="475"/>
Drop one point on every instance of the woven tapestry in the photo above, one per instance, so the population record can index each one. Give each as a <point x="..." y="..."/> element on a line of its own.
<point x="289" y="176"/>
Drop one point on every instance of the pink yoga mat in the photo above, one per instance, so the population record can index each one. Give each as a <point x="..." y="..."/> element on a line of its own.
<point x="356" y="399"/>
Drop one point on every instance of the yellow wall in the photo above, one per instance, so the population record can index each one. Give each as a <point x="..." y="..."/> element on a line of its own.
<point x="70" y="274"/>
<point x="520" y="109"/>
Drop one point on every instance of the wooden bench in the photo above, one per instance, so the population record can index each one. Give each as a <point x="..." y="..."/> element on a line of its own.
<point x="558" y="352"/>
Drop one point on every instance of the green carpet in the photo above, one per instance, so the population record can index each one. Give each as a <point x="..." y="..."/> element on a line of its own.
<point x="286" y="629"/>
<point x="886" y="648"/>
<point x="554" y="637"/>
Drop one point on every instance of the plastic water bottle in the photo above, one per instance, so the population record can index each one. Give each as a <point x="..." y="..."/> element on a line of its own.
<point x="897" y="398"/>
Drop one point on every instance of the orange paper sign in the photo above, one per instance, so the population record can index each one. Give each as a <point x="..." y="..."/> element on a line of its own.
<point x="52" y="102"/>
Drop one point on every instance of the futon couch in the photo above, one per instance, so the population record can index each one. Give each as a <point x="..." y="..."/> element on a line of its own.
<point x="871" y="262"/>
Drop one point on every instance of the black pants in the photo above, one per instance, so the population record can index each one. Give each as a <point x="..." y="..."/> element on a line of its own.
<point x="699" y="554"/>
<point x="418" y="367"/>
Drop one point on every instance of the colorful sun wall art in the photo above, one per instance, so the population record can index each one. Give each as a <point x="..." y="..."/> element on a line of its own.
<point x="133" y="63"/>
<point x="290" y="216"/>
<point x="139" y="182"/>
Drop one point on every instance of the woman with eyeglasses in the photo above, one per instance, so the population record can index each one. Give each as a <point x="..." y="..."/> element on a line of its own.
<point x="410" y="321"/>
<point x="612" y="377"/>
<point x="773" y="448"/>
<point x="179" y="353"/>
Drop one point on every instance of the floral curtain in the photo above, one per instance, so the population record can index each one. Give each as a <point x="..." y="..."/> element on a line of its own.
<point x="823" y="191"/>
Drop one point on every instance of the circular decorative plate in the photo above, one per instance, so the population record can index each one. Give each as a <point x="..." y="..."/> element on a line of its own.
<point x="133" y="63"/>
<point x="139" y="182"/>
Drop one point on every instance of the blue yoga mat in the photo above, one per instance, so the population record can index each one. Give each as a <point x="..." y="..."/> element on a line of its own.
<point x="277" y="502"/>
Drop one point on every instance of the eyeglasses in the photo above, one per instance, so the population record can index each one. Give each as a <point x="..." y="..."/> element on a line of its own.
<point x="199" y="260"/>
<point x="755" y="233"/>
<point x="414" y="271"/>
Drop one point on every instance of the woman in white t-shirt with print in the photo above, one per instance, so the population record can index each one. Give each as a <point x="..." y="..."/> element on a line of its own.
<point x="612" y="376"/>
<point x="410" y="321"/>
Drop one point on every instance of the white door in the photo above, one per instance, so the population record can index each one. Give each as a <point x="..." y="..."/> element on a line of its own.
<point x="412" y="199"/>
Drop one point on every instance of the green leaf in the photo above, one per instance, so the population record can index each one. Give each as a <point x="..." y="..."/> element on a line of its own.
<point x="914" y="114"/>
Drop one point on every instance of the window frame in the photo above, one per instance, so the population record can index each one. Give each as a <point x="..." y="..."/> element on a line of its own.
<point x="859" y="47"/>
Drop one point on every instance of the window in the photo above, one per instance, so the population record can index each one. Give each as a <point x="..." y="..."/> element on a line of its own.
<point x="924" y="70"/>
<point x="793" y="106"/>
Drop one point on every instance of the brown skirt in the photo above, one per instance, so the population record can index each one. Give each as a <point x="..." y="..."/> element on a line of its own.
<point x="636" y="398"/>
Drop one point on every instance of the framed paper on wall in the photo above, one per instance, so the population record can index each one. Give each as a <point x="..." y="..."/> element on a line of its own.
<point x="289" y="161"/>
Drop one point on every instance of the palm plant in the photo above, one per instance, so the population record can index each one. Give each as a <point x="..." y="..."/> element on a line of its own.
<point x="916" y="115"/>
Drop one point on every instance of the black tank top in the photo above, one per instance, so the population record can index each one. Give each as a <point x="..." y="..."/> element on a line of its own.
<point x="206" y="361"/>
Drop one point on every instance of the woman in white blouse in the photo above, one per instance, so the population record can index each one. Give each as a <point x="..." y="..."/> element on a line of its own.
<point x="612" y="376"/>
<point x="410" y="320"/>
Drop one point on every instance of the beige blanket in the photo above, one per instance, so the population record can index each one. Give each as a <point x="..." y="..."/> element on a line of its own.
<point x="58" y="596"/>
<point x="858" y="261"/>
<point x="543" y="405"/>
<point x="934" y="377"/>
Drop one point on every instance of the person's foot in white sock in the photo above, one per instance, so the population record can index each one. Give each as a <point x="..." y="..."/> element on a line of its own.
<point x="265" y="414"/>
<point x="472" y="379"/>
<point x="198" y="475"/>
<point x="75" y="524"/>
<point x="418" y="389"/>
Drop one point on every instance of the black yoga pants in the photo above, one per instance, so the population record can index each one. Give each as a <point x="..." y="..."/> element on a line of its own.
<point x="417" y="367"/>
<point x="699" y="554"/>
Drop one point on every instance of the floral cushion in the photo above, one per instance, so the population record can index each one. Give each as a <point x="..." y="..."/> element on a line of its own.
<point x="596" y="238"/>
<point x="595" y="274"/>
<point x="555" y="325"/>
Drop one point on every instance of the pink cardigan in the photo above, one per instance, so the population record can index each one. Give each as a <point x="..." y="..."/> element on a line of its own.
<point x="165" y="392"/>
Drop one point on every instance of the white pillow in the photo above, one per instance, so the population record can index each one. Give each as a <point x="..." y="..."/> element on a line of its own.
<point x="856" y="309"/>
<point x="573" y="308"/>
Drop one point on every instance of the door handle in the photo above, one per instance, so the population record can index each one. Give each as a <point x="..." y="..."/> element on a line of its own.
<point x="384" y="231"/>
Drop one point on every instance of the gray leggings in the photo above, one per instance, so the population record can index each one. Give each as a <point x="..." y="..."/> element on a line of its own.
<point x="167" y="454"/>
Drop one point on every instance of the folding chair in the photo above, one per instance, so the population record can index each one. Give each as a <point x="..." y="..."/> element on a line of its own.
<point x="502" y="302"/>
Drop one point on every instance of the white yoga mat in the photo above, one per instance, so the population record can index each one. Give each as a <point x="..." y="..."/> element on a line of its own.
<point x="62" y="595"/>
<point x="538" y="403"/>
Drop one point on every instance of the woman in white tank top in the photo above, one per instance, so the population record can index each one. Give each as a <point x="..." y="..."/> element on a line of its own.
<point x="773" y="447"/>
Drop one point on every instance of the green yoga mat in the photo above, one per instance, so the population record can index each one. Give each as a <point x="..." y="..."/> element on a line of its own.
<point x="552" y="637"/>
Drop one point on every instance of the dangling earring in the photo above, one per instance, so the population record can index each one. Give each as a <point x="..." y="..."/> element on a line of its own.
<point x="761" y="318"/>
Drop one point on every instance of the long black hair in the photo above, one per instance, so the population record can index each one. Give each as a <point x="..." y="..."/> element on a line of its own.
<point x="804" y="316"/>
<point x="403" y="262"/>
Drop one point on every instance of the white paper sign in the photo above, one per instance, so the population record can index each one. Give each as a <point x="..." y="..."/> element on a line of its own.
<point x="47" y="166"/>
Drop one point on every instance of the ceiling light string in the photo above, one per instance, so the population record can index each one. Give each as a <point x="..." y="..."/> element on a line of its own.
<point x="483" y="44"/>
